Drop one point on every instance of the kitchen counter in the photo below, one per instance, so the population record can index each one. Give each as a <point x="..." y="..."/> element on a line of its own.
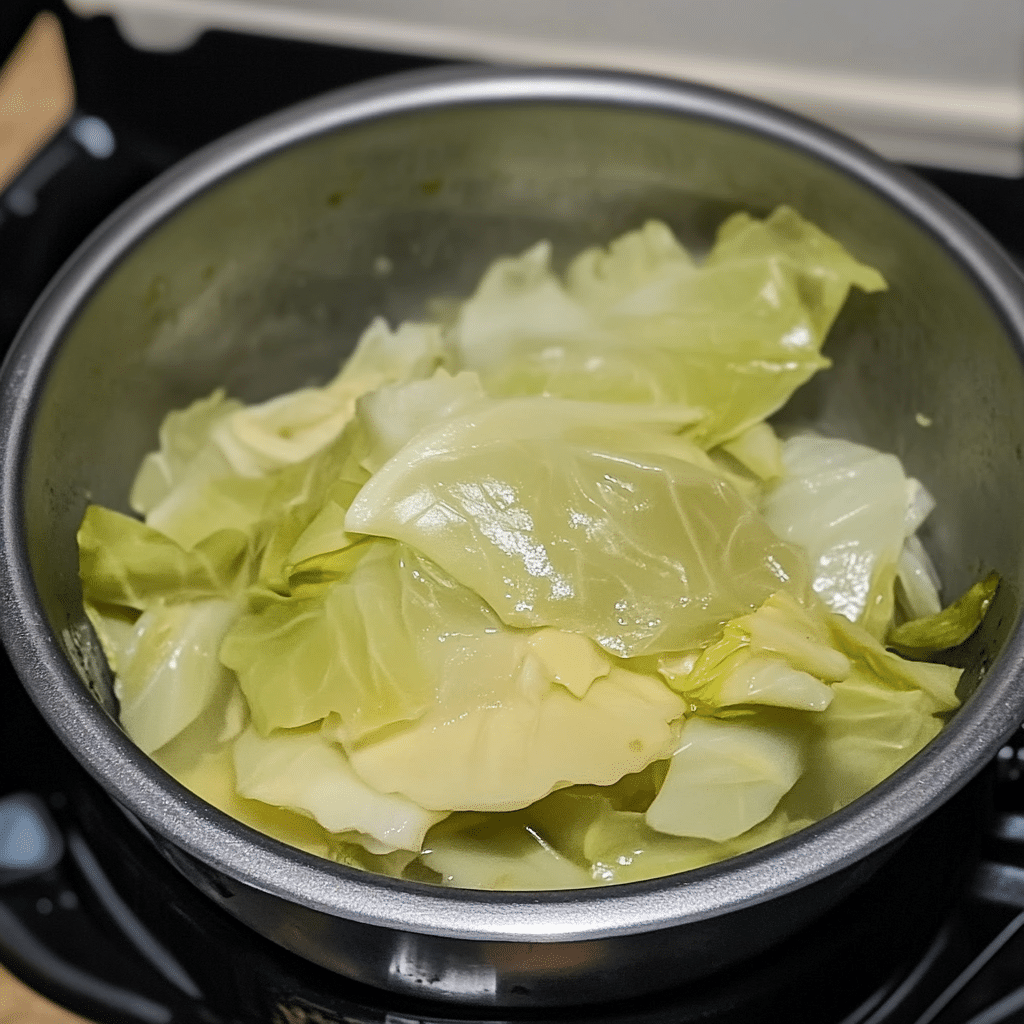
<point x="20" y="1005"/>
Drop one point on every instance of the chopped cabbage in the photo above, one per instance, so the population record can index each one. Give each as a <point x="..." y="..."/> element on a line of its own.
<point x="628" y="536"/>
<point x="724" y="778"/>
<point x="306" y="772"/>
<point x="536" y="598"/>
<point x="641" y="323"/>
<point x="847" y="505"/>
<point x="948" y="627"/>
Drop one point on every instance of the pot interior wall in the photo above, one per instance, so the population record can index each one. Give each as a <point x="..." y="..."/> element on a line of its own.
<point x="263" y="283"/>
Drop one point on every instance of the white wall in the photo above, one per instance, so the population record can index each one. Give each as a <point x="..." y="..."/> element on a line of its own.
<point x="931" y="81"/>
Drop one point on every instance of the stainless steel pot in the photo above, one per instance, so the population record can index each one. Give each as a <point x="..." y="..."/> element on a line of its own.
<point x="254" y="265"/>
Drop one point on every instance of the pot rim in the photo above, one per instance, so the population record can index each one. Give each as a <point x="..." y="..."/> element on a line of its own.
<point x="959" y="752"/>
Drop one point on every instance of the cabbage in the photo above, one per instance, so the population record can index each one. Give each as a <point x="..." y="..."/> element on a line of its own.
<point x="515" y="743"/>
<point x="847" y="505"/>
<point x="623" y="848"/>
<point x="370" y="647"/>
<point x="724" y="778"/>
<point x="288" y="429"/>
<point x="305" y="508"/>
<point x="218" y="459"/>
<point x="124" y="562"/>
<point x="535" y="598"/>
<point x="184" y="434"/>
<point x="641" y="324"/>
<point x="781" y="655"/>
<point x="630" y="537"/>
<point x="948" y="627"/>
<point x="168" y="672"/>
<point x="305" y="772"/>
<point x="525" y="865"/>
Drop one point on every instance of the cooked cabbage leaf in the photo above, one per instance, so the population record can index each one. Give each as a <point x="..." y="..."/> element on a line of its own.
<point x="639" y="324"/>
<point x="622" y="847"/>
<point x="127" y="563"/>
<point x="724" y="778"/>
<point x="780" y="655"/>
<point x="184" y="434"/>
<point x="629" y="536"/>
<point x="369" y="647"/>
<point x="306" y="772"/>
<point x="500" y="854"/>
<point x="847" y="505"/>
<point x="947" y="628"/>
<point x="168" y="672"/>
<point x="502" y="742"/>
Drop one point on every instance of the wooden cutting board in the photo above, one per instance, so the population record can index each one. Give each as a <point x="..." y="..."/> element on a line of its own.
<point x="37" y="94"/>
<point x="20" y="1005"/>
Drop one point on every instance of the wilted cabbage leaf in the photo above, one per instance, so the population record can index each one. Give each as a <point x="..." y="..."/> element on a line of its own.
<point x="306" y="772"/>
<point x="724" y="778"/>
<point x="521" y="737"/>
<point x="847" y="505"/>
<point x="184" y="434"/>
<point x="947" y="628"/>
<point x="781" y="655"/>
<point x="168" y="671"/>
<point x="369" y="647"/>
<point x="536" y="598"/>
<point x="640" y="323"/>
<point x="124" y="562"/>
<point x="630" y="536"/>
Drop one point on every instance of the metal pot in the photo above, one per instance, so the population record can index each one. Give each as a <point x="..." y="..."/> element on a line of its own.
<point x="253" y="264"/>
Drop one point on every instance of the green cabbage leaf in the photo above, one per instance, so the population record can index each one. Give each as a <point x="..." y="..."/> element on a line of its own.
<point x="641" y="323"/>
<point x="780" y="655"/>
<point x="724" y="778"/>
<point x="581" y="516"/>
<point x="126" y="563"/>
<point x="168" y="672"/>
<point x="850" y="508"/>
<point x="368" y="647"/>
<point x="947" y="628"/>
<point x="307" y="773"/>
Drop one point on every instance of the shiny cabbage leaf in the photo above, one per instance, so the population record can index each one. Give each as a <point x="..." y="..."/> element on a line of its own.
<point x="502" y="742"/>
<point x="168" y="672"/>
<point x="126" y="563"/>
<point x="639" y="324"/>
<point x="950" y="627"/>
<point x="725" y="777"/>
<point x="780" y="655"/>
<point x="847" y="505"/>
<point x="368" y="647"/>
<point x="630" y="536"/>
<point x="306" y="772"/>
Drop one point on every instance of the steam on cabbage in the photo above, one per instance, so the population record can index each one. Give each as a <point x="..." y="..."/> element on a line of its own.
<point x="538" y="598"/>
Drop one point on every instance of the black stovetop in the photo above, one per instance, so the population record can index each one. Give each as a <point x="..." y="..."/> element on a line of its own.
<point x="95" y="919"/>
